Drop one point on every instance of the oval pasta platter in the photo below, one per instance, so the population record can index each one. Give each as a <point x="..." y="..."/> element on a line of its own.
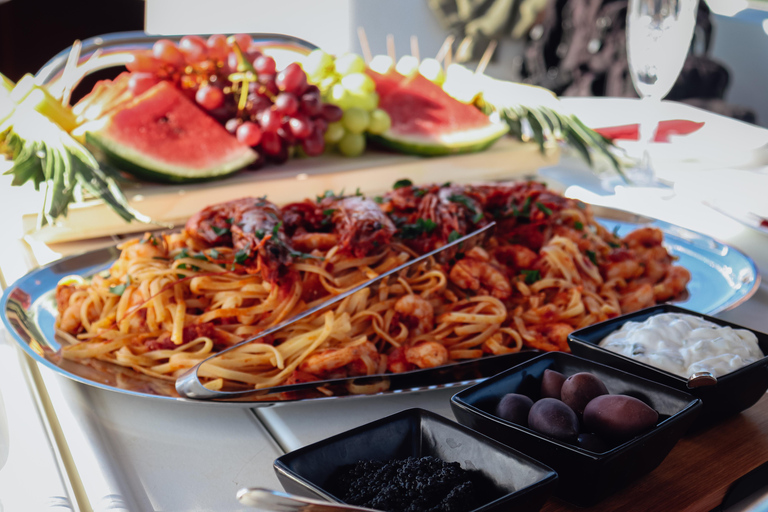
<point x="718" y="277"/>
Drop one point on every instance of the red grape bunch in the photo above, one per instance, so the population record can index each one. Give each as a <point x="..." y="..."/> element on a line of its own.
<point x="272" y="111"/>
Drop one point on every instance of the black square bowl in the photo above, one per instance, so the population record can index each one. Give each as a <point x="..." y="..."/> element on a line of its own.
<point x="584" y="477"/>
<point x="734" y="392"/>
<point x="519" y="482"/>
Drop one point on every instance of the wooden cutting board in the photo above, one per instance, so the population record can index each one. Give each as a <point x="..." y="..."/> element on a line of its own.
<point x="372" y="173"/>
<point x="698" y="472"/>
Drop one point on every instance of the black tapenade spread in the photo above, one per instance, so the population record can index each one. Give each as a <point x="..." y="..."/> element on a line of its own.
<point x="415" y="484"/>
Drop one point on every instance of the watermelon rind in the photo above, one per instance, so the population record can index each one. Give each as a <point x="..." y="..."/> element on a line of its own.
<point x="458" y="142"/>
<point x="141" y="166"/>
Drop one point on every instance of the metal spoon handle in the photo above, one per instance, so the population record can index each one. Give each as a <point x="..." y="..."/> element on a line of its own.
<point x="275" y="501"/>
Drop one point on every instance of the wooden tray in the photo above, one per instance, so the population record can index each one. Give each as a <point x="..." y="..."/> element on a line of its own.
<point x="698" y="472"/>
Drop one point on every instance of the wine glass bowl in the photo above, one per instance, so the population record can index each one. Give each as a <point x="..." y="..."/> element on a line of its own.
<point x="659" y="34"/>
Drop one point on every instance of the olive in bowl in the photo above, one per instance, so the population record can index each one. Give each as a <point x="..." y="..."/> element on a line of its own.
<point x="590" y="466"/>
<point x="733" y="391"/>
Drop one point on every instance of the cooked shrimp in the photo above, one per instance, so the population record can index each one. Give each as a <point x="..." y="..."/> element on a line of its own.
<point x="517" y="256"/>
<point x="69" y="310"/>
<point x="657" y="262"/>
<point x="637" y="298"/>
<point x="416" y="313"/>
<point x="326" y="361"/>
<point x="427" y="354"/>
<point x="673" y="284"/>
<point x="552" y="336"/>
<point x="644" y="237"/>
<point x="471" y="274"/>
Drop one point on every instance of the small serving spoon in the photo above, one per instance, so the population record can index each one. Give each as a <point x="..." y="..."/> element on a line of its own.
<point x="700" y="379"/>
<point x="275" y="501"/>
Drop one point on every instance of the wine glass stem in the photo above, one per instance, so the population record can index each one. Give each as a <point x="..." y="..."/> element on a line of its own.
<point x="647" y="131"/>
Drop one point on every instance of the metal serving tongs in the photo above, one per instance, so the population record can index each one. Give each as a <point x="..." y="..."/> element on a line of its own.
<point x="276" y="501"/>
<point x="190" y="386"/>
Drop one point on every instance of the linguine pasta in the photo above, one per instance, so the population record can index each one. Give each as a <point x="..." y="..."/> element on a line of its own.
<point x="172" y="300"/>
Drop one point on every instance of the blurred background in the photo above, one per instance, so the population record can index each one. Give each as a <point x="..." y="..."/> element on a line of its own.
<point x="573" y="47"/>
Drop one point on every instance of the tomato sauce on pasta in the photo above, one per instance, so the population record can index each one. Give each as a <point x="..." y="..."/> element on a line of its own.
<point x="238" y="268"/>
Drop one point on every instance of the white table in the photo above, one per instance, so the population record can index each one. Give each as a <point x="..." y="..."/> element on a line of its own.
<point x="100" y="450"/>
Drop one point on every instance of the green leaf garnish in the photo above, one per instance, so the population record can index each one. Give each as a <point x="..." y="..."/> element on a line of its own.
<point x="530" y="276"/>
<point x="455" y="235"/>
<point x="546" y="211"/>
<point x="402" y="183"/>
<point x="120" y="289"/>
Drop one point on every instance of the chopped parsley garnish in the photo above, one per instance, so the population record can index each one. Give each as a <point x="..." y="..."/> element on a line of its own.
<point x="220" y="231"/>
<point x="259" y="234"/>
<point x="378" y="200"/>
<point x="420" y="227"/>
<point x="546" y="211"/>
<point x="183" y="254"/>
<point x="591" y="255"/>
<point x="580" y="205"/>
<point x="578" y="226"/>
<point x="119" y="289"/>
<point x="183" y="266"/>
<point x="357" y="192"/>
<point x="616" y="231"/>
<point x="276" y="229"/>
<point x="214" y="254"/>
<point x="329" y="212"/>
<point x="455" y="235"/>
<point x="530" y="276"/>
<point x="242" y="255"/>
<point x="231" y="220"/>
<point x="402" y="183"/>
<point x="446" y="184"/>
<point x="419" y="192"/>
<point x="477" y="217"/>
<point x="327" y="194"/>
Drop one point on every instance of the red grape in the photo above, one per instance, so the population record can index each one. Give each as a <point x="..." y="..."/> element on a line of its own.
<point x="217" y="47"/>
<point x="194" y="48"/>
<point x="268" y="81"/>
<point x="269" y="121"/>
<point x="144" y="62"/>
<point x="285" y="133"/>
<point x="292" y="79"/>
<point x="321" y="125"/>
<point x="166" y="51"/>
<point x="140" y="82"/>
<point x="281" y="156"/>
<point x="286" y="103"/>
<point x="314" y="145"/>
<point x="249" y="133"/>
<point x="311" y="103"/>
<point x="271" y="143"/>
<point x="242" y="40"/>
<point x="301" y="127"/>
<point x="209" y="97"/>
<point x="265" y="65"/>
<point x="252" y="54"/>
<point x="332" y="113"/>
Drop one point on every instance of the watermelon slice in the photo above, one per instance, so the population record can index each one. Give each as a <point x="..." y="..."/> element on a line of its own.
<point x="427" y="121"/>
<point x="163" y="136"/>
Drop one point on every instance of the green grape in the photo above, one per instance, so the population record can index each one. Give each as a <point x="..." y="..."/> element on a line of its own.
<point x="380" y="122"/>
<point x="432" y="70"/>
<point x="334" y="133"/>
<point x="318" y="64"/>
<point x="352" y="144"/>
<point x="407" y="65"/>
<point x="381" y="64"/>
<point x="358" y="83"/>
<point x="349" y="63"/>
<point x="366" y="102"/>
<point x="339" y="96"/>
<point x="355" y="120"/>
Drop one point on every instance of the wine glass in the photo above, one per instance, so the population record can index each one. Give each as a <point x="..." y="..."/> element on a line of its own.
<point x="659" y="34"/>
